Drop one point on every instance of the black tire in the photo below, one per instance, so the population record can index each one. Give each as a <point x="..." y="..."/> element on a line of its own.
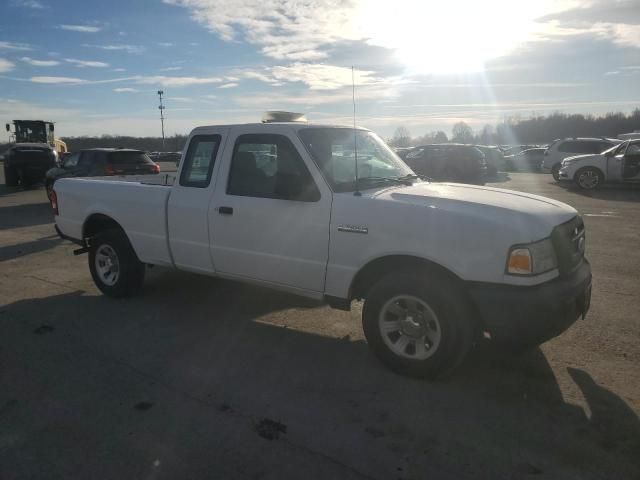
<point x="588" y="178"/>
<point x="555" y="172"/>
<point x="130" y="271"/>
<point x="10" y="177"/>
<point x="443" y="296"/>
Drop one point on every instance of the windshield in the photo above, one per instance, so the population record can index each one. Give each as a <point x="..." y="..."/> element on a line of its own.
<point x="334" y="151"/>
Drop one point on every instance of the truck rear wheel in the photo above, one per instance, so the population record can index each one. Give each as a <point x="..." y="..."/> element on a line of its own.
<point x="114" y="265"/>
<point x="417" y="327"/>
<point x="555" y="172"/>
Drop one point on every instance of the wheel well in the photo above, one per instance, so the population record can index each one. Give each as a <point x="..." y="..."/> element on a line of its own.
<point x="376" y="269"/>
<point x="97" y="223"/>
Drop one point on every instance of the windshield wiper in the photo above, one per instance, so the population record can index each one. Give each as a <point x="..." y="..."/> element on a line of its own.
<point x="413" y="176"/>
<point x="396" y="180"/>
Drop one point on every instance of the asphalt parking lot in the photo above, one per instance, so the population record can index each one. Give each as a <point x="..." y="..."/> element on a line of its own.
<point x="204" y="378"/>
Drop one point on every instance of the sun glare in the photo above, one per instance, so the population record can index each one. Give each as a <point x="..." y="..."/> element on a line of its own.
<point x="448" y="36"/>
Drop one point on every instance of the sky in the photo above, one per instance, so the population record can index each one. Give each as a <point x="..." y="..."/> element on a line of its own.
<point x="95" y="67"/>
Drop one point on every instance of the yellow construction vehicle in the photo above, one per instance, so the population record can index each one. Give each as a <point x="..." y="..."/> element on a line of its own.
<point x="36" y="131"/>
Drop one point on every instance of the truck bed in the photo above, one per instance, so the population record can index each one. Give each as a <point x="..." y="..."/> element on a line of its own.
<point x="137" y="203"/>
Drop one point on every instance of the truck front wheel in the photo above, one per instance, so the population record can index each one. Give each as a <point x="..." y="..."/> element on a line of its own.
<point x="416" y="325"/>
<point x="114" y="266"/>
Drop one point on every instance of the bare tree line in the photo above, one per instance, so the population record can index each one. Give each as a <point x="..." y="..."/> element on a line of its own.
<point x="539" y="129"/>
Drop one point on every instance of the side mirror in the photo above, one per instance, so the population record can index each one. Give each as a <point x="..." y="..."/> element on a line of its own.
<point x="608" y="154"/>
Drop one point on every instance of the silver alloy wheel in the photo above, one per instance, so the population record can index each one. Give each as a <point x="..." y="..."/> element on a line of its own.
<point x="409" y="327"/>
<point x="589" y="179"/>
<point x="107" y="265"/>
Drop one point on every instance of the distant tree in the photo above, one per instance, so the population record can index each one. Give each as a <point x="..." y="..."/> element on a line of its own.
<point x="462" y="133"/>
<point x="401" y="137"/>
<point x="486" y="136"/>
<point x="440" y="137"/>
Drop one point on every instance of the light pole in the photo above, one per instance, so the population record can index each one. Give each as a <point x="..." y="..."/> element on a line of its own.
<point x="161" y="107"/>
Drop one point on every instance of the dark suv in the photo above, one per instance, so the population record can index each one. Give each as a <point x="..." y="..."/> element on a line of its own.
<point x="98" y="162"/>
<point x="448" y="162"/>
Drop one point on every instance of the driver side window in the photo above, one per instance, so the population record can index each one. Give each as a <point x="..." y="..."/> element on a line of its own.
<point x="269" y="166"/>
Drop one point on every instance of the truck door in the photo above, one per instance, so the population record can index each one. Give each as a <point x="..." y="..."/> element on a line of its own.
<point x="271" y="212"/>
<point x="187" y="210"/>
<point x="631" y="162"/>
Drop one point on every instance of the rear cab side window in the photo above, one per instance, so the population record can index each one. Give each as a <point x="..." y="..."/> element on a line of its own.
<point x="199" y="161"/>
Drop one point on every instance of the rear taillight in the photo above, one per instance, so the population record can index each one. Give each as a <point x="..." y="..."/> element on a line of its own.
<point x="53" y="198"/>
<point x="108" y="169"/>
<point x="155" y="168"/>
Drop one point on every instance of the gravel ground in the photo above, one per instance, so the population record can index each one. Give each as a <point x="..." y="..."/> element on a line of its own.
<point x="203" y="378"/>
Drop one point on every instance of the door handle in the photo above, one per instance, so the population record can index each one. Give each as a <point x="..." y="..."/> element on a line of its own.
<point x="225" y="211"/>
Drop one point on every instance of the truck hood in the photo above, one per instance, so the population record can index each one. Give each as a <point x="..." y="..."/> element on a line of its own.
<point x="493" y="204"/>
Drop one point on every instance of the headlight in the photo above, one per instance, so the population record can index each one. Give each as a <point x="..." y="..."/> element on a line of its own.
<point x="532" y="259"/>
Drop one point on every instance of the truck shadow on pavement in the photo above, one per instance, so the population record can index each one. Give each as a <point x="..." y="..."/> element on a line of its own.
<point x="10" y="252"/>
<point x="25" y="215"/>
<point x="208" y="361"/>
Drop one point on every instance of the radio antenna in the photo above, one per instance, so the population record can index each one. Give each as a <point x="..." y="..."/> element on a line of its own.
<point x="355" y="132"/>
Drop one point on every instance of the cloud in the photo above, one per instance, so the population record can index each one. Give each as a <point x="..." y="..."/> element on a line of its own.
<point x="284" y="30"/>
<point x="119" y="69"/>
<point x="27" y="4"/>
<point x="86" y="63"/>
<point x="58" y="80"/>
<point x="166" y="81"/>
<point x="40" y="63"/>
<point x="81" y="28"/>
<point x="165" y="44"/>
<point x="118" y="47"/>
<point x="228" y="85"/>
<point x="6" y="65"/>
<point x="612" y="73"/>
<point x="14" y="46"/>
<point x="315" y="76"/>
<point x="180" y="99"/>
<point x="125" y="90"/>
<point x="170" y="69"/>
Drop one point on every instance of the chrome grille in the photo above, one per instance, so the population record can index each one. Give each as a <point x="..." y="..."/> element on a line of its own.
<point x="569" y="242"/>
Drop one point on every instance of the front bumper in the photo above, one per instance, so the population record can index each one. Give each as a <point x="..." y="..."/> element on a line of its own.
<point x="533" y="315"/>
<point x="564" y="174"/>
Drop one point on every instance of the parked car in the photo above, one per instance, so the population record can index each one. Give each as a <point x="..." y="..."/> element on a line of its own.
<point x="438" y="265"/>
<point x="494" y="158"/>
<point x="98" y="162"/>
<point x="509" y="150"/>
<point x="527" y="160"/>
<point x="618" y="164"/>
<point x="448" y="162"/>
<point x="570" y="147"/>
<point x="27" y="163"/>
<point x="402" y="151"/>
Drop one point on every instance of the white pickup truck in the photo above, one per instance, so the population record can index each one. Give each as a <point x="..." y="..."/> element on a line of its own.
<point x="439" y="265"/>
